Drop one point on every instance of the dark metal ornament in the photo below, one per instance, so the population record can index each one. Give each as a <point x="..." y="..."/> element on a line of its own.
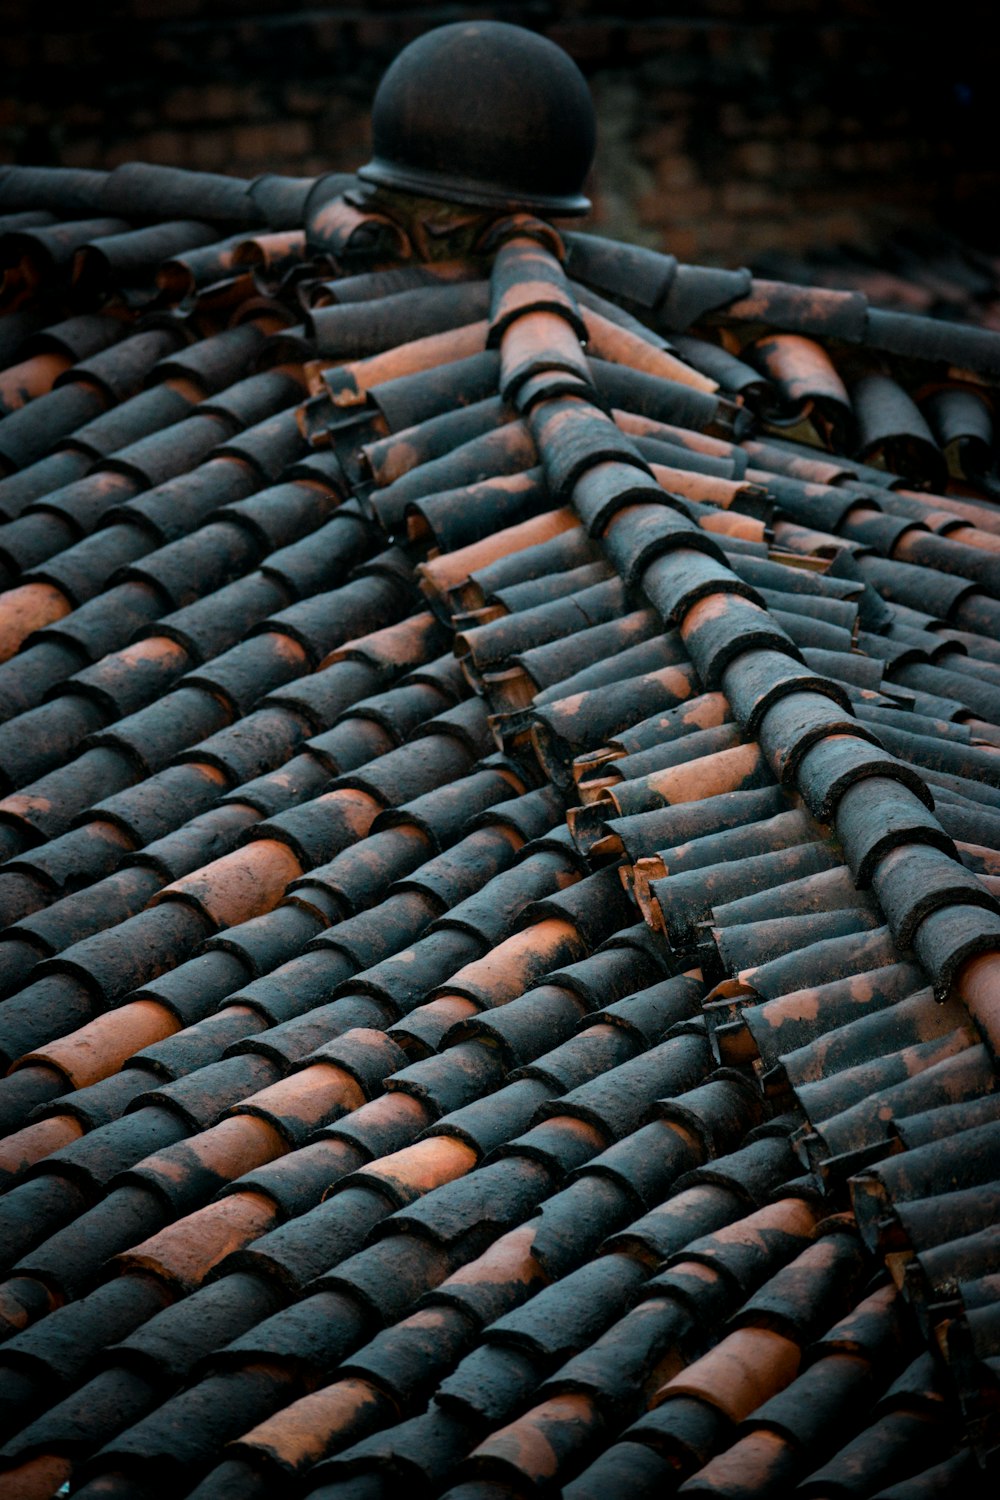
<point x="484" y="113"/>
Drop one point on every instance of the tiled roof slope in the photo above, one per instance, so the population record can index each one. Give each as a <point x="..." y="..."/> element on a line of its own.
<point x="501" y="847"/>
<point x="918" y="270"/>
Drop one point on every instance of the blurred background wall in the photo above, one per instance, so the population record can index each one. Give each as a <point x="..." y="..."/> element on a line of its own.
<point x="729" y="128"/>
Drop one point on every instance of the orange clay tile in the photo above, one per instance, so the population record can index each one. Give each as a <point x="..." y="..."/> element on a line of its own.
<point x="189" y="389"/>
<point x="943" y="521"/>
<point x="36" y="1479"/>
<point x="214" y="774"/>
<point x="525" y="1444"/>
<point x="472" y="617"/>
<point x="28" y="608"/>
<point x="639" y="876"/>
<point x="803" y="1005"/>
<point x="507" y="691"/>
<point x="986" y="517"/>
<point x="707" y="711"/>
<point x="290" y="651"/>
<point x="399" y="1108"/>
<point x="982" y="731"/>
<point x="101" y="1046"/>
<point x="610" y="341"/>
<point x="308" y="1096"/>
<point x="104" y="833"/>
<point x="527" y="296"/>
<point x="707" y="488"/>
<point x="21" y="383"/>
<point x="337" y="219"/>
<point x="358" y="809"/>
<point x="737" y="1047"/>
<point x="903" y="550"/>
<point x="697" y="442"/>
<point x="510" y="1258"/>
<point x="502" y="974"/>
<point x="31" y="1144"/>
<point x="542" y="335"/>
<point x="230" y="1148"/>
<point x="452" y="568"/>
<point x="652" y="911"/>
<point x="896" y="1263"/>
<point x="601" y="848"/>
<point x="291" y="371"/>
<point x="813" y="470"/>
<point x="802" y="366"/>
<point x="694" y="1269"/>
<point x="792" y="559"/>
<point x="674" y="679"/>
<point x="20" y="1303"/>
<point x="394" y="462"/>
<point x="522" y="483"/>
<point x="187" y="1250"/>
<point x="755" y="1464"/>
<point x="409" y="359"/>
<point x="793" y="1216"/>
<point x="730" y="523"/>
<point x="936" y="1020"/>
<point x="429" y="1320"/>
<point x="918" y="1058"/>
<point x="972" y="536"/>
<point x="402" y="644"/>
<point x="244" y="884"/>
<point x="589" y="1135"/>
<point x="813" y="304"/>
<point x="712" y="607"/>
<point x="530" y="1453"/>
<point x="739" y="1374"/>
<point x="305" y="1431"/>
<point x="157" y="650"/>
<point x="978" y="985"/>
<point x="587" y="766"/>
<point x="423" y="1166"/>
<point x="265" y="249"/>
<point x="805" y="542"/>
<point x="25" y="804"/>
<point x="724" y="771"/>
<point x="921" y="1055"/>
<point x="729" y="990"/>
<point x="450" y="1009"/>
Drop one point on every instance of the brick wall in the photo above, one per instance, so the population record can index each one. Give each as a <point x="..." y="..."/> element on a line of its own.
<point x="726" y="126"/>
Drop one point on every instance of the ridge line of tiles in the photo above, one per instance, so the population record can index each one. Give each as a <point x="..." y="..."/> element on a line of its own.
<point x="690" y="609"/>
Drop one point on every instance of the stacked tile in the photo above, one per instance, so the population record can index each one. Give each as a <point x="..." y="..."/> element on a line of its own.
<point x="545" y="1040"/>
<point x="924" y="270"/>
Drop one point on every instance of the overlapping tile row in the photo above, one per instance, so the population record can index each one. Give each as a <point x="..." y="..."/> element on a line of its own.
<point x="500" y="873"/>
<point x="919" y="269"/>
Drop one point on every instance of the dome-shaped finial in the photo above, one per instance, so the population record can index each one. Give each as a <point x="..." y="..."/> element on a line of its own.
<point x="485" y="113"/>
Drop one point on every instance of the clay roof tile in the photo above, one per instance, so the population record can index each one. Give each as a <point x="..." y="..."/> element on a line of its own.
<point x="700" y="587"/>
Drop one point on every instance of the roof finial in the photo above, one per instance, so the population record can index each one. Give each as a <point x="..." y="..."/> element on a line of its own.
<point x="488" y="114"/>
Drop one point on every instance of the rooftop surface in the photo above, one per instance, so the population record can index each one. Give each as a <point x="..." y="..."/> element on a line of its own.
<point x="500" y="838"/>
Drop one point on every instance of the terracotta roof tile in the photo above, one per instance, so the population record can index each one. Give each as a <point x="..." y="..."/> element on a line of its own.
<point x="313" y="995"/>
